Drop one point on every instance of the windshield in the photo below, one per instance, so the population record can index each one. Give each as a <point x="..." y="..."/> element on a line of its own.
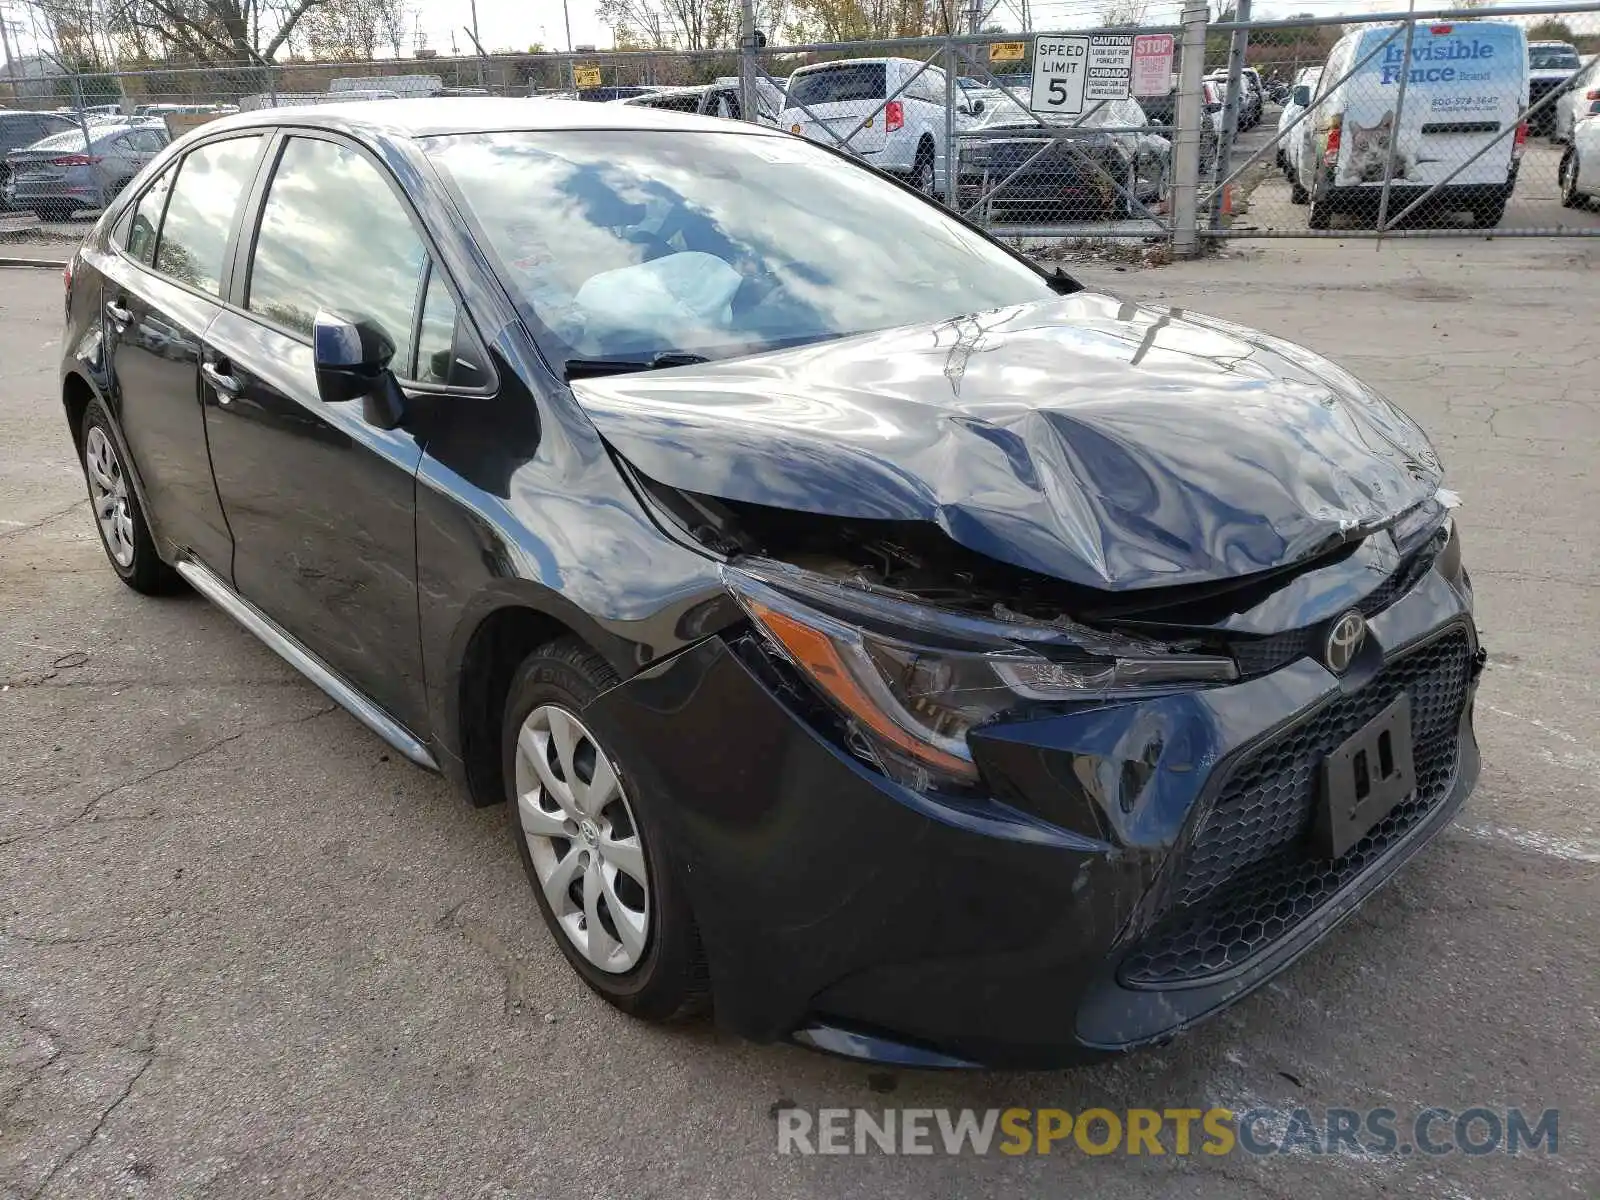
<point x="625" y="244"/>
<point x="838" y="84"/>
<point x="1553" y="58"/>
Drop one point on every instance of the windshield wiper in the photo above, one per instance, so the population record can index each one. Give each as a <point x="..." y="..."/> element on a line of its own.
<point x="589" y="368"/>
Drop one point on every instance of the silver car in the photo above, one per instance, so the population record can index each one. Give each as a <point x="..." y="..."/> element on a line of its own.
<point x="65" y="172"/>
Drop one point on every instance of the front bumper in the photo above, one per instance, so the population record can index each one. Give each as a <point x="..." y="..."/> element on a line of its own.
<point x="1139" y="866"/>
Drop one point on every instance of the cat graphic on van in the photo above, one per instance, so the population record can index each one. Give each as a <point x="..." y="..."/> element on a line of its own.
<point x="1369" y="149"/>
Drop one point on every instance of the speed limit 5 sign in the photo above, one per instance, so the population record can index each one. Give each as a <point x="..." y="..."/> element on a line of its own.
<point x="1070" y="72"/>
<point x="1060" y="74"/>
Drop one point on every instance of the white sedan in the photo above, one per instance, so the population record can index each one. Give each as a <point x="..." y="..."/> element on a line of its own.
<point x="1580" y="166"/>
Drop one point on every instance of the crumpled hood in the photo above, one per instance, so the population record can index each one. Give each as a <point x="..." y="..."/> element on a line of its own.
<point x="1102" y="442"/>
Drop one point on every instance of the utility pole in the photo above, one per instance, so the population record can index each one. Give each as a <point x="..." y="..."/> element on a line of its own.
<point x="747" y="60"/>
<point x="1230" y="111"/>
<point x="566" y="16"/>
<point x="5" y="44"/>
<point x="476" y="43"/>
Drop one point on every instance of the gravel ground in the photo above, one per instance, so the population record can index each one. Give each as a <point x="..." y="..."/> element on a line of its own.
<point x="246" y="951"/>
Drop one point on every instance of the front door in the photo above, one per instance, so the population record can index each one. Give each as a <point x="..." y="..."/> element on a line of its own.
<point x="322" y="504"/>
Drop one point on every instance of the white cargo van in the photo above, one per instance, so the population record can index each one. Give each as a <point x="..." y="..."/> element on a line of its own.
<point x="1466" y="84"/>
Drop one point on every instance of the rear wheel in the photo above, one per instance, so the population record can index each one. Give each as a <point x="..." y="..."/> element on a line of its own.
<point x="602" y="871"/>
<point x="123" y="530"/>
<point x="1298" y="194"/>
<point x="922" y="170"/>
<point x="1487" y="214"/>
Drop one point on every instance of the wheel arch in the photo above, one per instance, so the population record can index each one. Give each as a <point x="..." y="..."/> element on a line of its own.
<point x="493" y="644"/>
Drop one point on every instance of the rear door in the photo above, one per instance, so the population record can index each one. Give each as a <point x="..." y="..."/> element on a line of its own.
<point x="839" y="96"/>
<point x="322" y="504"/>
<point x="161" y="292"/>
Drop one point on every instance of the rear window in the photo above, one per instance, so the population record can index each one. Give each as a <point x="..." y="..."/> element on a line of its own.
<point x="1552" y="58"/>
<point x="838" y="84"/>
<point x="72" y="139"/>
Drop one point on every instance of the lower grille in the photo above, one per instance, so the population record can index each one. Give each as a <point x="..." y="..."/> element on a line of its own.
<point x="1248" y="876"/>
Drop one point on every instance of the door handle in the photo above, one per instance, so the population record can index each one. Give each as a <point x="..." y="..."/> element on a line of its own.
<point x="225" y="385"/>
<point x="120" y="316"/>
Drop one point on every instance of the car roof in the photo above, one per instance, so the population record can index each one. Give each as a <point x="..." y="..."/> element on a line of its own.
<point x="470" y="114"/>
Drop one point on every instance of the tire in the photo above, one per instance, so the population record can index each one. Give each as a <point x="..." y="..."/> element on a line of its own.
<point x="124" y="532"/>
<point x="1321" y="215"/>
<point x="1298" y="194"/>
<point x="656" y="970"/>
<point x="922" y="170"/>
<point x="1489" y="214"/>
<point x="1568" y="177"/>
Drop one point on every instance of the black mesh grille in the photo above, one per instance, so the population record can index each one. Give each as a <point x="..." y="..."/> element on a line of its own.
<point x="1248" y="874"/>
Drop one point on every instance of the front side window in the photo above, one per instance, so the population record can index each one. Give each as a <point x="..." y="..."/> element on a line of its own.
<point x="335" y="238"/>
<point x="211" y="184"/>
<point x="436" y="338"/>
<point x="147" y="218"/>
<point x="631" y="243"/>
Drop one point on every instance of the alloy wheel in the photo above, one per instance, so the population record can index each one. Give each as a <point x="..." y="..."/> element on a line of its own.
<point x="108" y="492"/>
<point x="923" y="180"/>
<point x="585" y="845"/>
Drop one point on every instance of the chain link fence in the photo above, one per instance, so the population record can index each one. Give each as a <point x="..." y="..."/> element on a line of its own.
<point x="1452" y="124"/>
<point x="1448" y="123"/>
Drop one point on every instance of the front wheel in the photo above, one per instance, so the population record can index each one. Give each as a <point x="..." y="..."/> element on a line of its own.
<point x="603" y="873"/>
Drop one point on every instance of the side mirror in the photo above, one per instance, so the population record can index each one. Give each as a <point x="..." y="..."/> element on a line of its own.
<point x="1302" y="96"/>
<point x="352" y="361"/>
<point x="977" y="107"/>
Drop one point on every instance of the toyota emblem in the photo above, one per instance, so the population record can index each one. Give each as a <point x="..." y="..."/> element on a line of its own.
<point x="1344" y="642"/>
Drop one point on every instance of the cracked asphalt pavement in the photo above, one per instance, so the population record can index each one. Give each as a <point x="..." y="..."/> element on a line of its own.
<point x="245" y="950"/>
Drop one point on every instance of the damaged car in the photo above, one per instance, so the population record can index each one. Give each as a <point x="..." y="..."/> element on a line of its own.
<point x="884" y="642"/>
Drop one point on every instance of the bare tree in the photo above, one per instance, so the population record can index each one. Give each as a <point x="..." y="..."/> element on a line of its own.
<point x="684" y="24"/>
<point x="1124" y="12"/>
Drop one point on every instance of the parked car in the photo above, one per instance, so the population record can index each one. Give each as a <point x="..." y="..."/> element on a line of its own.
<point x="1292" y="132"/>
<point x="1551" y="65"/>
<point x="19" y="129"/>
<point x="1448" y="117"/>
<point x="1580" y="165"/>
<point x="1581" y="101"/>
<point x="719" y="99"/>
<point x="1252" y="96"/>
<point x="64" y="173"/>
<point x="1052" y="170"/>
<point x="1161" y="113"/>
<point x="849" y="100"/>
<point x="609" y="92"/>
<point x="883" y="639"/>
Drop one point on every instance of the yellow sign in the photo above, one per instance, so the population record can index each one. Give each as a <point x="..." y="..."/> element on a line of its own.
<point x="586" y="77"/>
<point x="1008" y="51"/>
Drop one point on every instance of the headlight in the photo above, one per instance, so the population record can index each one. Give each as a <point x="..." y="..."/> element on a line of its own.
<point x="911" y="680"/>
<point x="1420" y="522"/>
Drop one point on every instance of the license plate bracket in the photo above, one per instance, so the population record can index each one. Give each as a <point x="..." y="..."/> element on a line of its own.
<point x="1364" y="778"/>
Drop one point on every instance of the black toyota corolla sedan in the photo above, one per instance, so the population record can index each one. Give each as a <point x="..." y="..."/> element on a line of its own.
<point x="889" y="643"/>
